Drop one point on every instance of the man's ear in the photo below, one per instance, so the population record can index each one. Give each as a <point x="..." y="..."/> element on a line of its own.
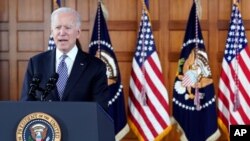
<point x="78" y="33"/>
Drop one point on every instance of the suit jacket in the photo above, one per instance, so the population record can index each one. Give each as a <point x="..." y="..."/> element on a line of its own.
<point x="87" y="80"/>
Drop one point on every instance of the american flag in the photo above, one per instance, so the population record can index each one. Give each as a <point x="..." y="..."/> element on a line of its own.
<point x="101" y="47"/>
<point x="148" y="98"/>
<point x="233" y="95"/>
<point x="51" y="44"/>
<point x="194" y="107"/>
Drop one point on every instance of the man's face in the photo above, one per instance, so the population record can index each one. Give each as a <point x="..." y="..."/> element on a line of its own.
<point x="65" y="32"/>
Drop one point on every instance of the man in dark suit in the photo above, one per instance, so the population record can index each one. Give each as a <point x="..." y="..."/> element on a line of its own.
<point x="85" y="75"/>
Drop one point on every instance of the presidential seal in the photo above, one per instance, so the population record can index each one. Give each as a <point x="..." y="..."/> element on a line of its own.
<point x="38" y="127"/>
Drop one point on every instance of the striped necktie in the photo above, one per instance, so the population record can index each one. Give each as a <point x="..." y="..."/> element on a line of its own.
<point x="63" y="76"/>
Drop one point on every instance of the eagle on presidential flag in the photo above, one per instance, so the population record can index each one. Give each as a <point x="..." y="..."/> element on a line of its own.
<point x="194" y="107"/>
<point x="101" y="47"/>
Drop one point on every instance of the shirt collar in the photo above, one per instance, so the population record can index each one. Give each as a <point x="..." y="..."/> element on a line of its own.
<point x="71" y="54"/>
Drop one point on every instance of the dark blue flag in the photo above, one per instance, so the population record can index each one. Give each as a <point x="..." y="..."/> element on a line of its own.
<point x="146" y="3"/>
<point x="101" y="47"/>
<point x="194" y="107"/>
<point x="58" y="2"/>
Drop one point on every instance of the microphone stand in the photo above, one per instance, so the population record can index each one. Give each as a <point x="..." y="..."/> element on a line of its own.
<point x="42" y="97"/>
<point x="51" y="84"/>
<point x="45" y="92"/>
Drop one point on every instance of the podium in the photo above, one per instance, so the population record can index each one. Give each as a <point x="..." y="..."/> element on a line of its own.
<point x="77" y="120"/>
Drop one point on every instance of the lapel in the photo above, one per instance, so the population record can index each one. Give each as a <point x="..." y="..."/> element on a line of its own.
<point x="51" y="61"/>
<point x="50" y="70"/>
<point x="78" y="68"/>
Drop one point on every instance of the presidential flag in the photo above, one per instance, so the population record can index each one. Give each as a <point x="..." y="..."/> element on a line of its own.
<point x="233" y="94"/>
<point x="102" y="48"/>
<point x="148" y="98"/>
<point x="194" y="107"/>
<point x="146" y="3"/>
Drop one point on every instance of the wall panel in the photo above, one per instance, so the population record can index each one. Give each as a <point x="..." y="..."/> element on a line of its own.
<point x="4" y="80"/>
<point x="172" y="73"/>
<point x="245" y="9"/>
<point x="153" y="9"/>
<point x="30" y="10"/>
<point x="30" y="41"/>
<point x="121" y="10"/>
<point x="225" y="7"/>
<point x="176" y="41"/>
<point x="4" y="14"/>
<point x="222" y="42"/>
<point x="179" y="9"/>
<point x="4" y="37"/>
<point x="82" y="6"/>
<point x="84" y="40"/>
<point x="123" y="41"/>
<point x="21" y="66"/>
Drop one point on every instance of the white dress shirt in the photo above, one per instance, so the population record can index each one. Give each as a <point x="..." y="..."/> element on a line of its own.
<point x="69" y="60"/>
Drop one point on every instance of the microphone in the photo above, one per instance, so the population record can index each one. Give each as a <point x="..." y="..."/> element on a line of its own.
<point x="50" y="85"/>
<point x="34" y="84"/>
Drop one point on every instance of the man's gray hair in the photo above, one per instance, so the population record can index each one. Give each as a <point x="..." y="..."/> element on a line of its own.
<point x="66" y="10"/>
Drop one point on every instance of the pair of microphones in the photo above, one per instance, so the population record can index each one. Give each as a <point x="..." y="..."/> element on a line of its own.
<point x="50" y="85"/>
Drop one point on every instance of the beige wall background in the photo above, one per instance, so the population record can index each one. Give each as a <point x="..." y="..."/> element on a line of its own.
<point x="25" y="29"/>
